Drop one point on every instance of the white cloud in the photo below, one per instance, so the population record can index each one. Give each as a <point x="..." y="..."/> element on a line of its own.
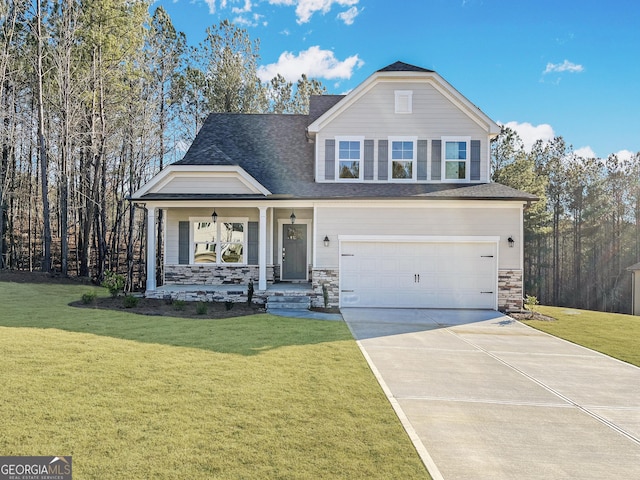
<point x="313" y="62"/>
<point x="585" y="152"/>
<point x="349" y="16"/>
<point x="306" y="8"/>
<point x="212" y="6"/>
<point x="529" y="133"/>
<point x="252" y="21"/>
<point x="565" y="66"/>
<point x="624" y="154"/>
<point x="247" y="8"/>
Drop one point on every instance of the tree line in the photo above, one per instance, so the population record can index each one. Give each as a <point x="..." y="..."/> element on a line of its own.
<point x="584" y="231"/>
<point x="96" y="97"/>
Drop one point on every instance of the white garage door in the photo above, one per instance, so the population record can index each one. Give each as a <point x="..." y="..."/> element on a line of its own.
<point x="418" y="275"/>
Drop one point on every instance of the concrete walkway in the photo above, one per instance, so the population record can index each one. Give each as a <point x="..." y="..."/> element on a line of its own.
<point x="485" y="397"/>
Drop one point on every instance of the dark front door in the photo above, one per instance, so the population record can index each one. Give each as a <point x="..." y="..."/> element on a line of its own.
<point x="294" y="252"/>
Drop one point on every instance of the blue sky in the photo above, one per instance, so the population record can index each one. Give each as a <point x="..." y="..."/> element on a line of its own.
<point x="544" y="67"/>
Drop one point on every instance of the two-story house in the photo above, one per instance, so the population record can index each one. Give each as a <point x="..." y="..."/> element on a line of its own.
<point x="380" y="198"/>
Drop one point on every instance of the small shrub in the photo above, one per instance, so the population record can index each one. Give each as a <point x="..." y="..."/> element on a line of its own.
<point x="530" y="303"/>
<point x="89" y="297"/>
<point x="325" y="295"/>
<point x="130" y="301"/>
<point x="179" y="304"/>
<point x="114" y="282"/>
<point x="228" y="305"/>
<point x="250" y="292"/>
<point x="201" y="308"/>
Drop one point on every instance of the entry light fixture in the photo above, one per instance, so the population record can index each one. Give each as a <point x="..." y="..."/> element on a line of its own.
<point x="214" y="216"/>
<point x="326" y="241"/>
<point x="292" y="217"/>
<point x="511" y="241"/>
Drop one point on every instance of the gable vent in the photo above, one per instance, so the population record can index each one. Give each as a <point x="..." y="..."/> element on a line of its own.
<point x="404" y="101"/>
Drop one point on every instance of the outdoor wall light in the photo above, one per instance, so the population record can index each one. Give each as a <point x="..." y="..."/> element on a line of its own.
<point x="511" y="241"/>
<point x="292" y="217"/>
<point x="214" y="216"/>
<point x="326" y="241"/>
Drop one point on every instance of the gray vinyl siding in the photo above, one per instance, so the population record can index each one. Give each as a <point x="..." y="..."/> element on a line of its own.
<point x="372" y="115"/>
<point x="330" y="159"/>
<point x="383" y="159"/>
<point x="422" y="160"/>
<point x="183" y="243"/>
<point x="436" y="159"/>
<point x="410" y="221"/>
<point x="475" y="161"/>
<point x="368" y="159"/>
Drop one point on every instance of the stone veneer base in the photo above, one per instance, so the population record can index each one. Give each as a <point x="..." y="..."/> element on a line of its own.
<point x="510" y="290"/>
<point x="330" y="278"/>
<point x="209" y="274"/>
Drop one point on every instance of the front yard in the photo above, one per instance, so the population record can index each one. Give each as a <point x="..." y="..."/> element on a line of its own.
<point x="138" y="397"/>
<point x="613" y="334"/>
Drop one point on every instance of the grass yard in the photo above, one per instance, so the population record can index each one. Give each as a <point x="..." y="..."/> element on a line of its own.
<point x="613" y="334"/>
<point x="139" y="397"/>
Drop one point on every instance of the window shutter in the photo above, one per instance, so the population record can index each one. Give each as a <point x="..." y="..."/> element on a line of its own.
<point x="436" y="159"/>
<point x="383" y="153"/>
<point x="183" y="243"/>
<point x="368" y="159"/>
<point x="475" y="160"/>
<point x="329" y="159"/>
<point x="422" y="159"/>
<point x="253" y="235"/>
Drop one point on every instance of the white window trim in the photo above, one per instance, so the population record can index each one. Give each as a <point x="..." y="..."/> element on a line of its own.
<point x="467" y="170"/>
<point x="359" y="139"/>
<point x="414" y="160"/>
<point x="243" y="220"/>
<point x="403" y="98"/>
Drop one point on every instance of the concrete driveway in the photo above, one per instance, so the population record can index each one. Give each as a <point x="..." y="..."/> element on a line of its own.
<point x="485" y="397"/>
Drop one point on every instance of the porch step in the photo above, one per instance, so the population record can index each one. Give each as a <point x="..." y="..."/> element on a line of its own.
<point x="288" y="302"/>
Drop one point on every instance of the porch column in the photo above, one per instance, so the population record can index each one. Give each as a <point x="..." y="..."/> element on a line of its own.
<point x="262" y="249"/>
<point x="151" y="248"/>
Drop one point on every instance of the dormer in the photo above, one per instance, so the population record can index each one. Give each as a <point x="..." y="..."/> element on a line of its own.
<point x="403" y="124"/>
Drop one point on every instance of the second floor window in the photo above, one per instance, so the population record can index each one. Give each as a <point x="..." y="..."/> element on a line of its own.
<point x="402" y="159"/>
<point x="455" y="161"/>
<point x="349" y="159"/>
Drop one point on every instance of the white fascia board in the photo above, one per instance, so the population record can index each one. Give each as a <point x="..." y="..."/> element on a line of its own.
<point x="433" y="78"/>
<point x="253" y="203"/>
<point x="172" y="171"/>
<point x="422" y="203"/>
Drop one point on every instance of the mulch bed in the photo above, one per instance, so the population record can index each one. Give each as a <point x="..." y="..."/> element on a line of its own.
<point x="167" y="308"/>
<point x="532" y="316"/>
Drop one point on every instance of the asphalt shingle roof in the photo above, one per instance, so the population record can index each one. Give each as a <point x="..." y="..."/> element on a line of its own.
<point x="275" y="150"/>
<point x="403" y="67"/>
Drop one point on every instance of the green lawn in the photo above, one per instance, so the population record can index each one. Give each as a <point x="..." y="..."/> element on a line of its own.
<point x="139" y="397"/>
<point x="613" y="334"/>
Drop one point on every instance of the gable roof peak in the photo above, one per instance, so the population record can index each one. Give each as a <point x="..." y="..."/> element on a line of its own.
<point x="404" y="67"/>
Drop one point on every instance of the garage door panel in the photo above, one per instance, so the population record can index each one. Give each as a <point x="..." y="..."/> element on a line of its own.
<point x="419" y="275"/>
